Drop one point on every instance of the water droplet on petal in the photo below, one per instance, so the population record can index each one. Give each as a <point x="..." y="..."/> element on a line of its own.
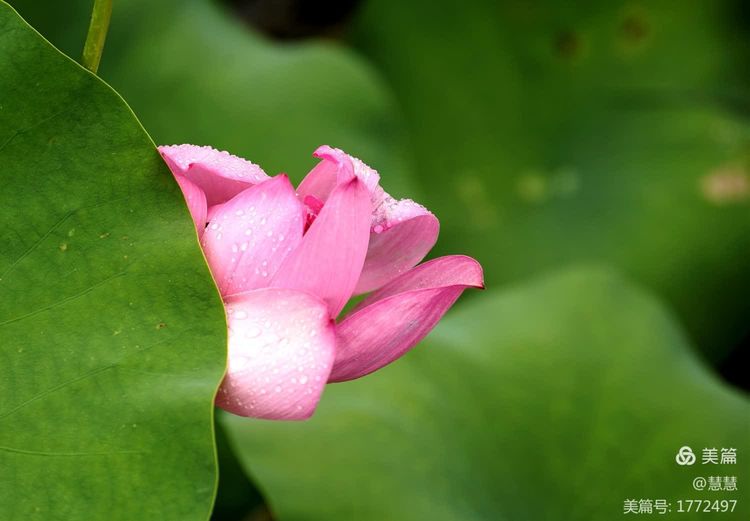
<point x="253" y="332"/>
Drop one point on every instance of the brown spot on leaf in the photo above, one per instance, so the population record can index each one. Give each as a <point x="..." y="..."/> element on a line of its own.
<point x="568" y="45"/>
<point x="635" y="30"/>
<point x="635" y="27"/>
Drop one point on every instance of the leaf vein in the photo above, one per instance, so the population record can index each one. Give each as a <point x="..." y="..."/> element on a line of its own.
<point x="63" y="301"/>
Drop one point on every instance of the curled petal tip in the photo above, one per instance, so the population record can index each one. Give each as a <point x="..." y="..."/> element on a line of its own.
<point x="322" y="151"/>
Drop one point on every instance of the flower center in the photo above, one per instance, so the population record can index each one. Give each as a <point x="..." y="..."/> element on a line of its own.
<point x="313" y="206"/>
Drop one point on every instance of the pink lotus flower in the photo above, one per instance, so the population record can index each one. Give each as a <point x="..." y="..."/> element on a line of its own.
<point x="286" y="262"/>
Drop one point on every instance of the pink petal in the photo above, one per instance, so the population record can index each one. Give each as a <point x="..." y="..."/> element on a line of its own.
<point x="394" y="319"/>
<point x="281" y="349"/>
<point x="196" y="203"/>
<point x="249" y="236"/>
<point x="403" y="234"/>
<point x="402" y="231"/>
<point x="335" y="168"/>
<point x="219" y="174"/>
<point x="212" y="212"/>
<point x="329" y="259"/>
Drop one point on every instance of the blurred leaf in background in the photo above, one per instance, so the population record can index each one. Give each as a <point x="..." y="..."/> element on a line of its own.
<point x="551" y="132"/>
<point x="554" y="400"/>
<point x="194" y="73"/>
<point x="112" y="335"/>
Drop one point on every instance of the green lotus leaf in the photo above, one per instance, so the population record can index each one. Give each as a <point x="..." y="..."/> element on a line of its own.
<point x="112" y="334"/>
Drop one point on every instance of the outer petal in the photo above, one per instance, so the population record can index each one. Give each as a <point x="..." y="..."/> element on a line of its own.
<point x="393" y="320"/>
<point x="250" y="235"/>
<point x="219" y="174"/>
<point x="281" y="349"/>
<point x="403" y="233"/>
<point x="196" y="203"/>
<point x="329" y="259"/>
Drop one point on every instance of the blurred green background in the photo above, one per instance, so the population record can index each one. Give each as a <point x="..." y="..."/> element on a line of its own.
<point x="593" y="156"/>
